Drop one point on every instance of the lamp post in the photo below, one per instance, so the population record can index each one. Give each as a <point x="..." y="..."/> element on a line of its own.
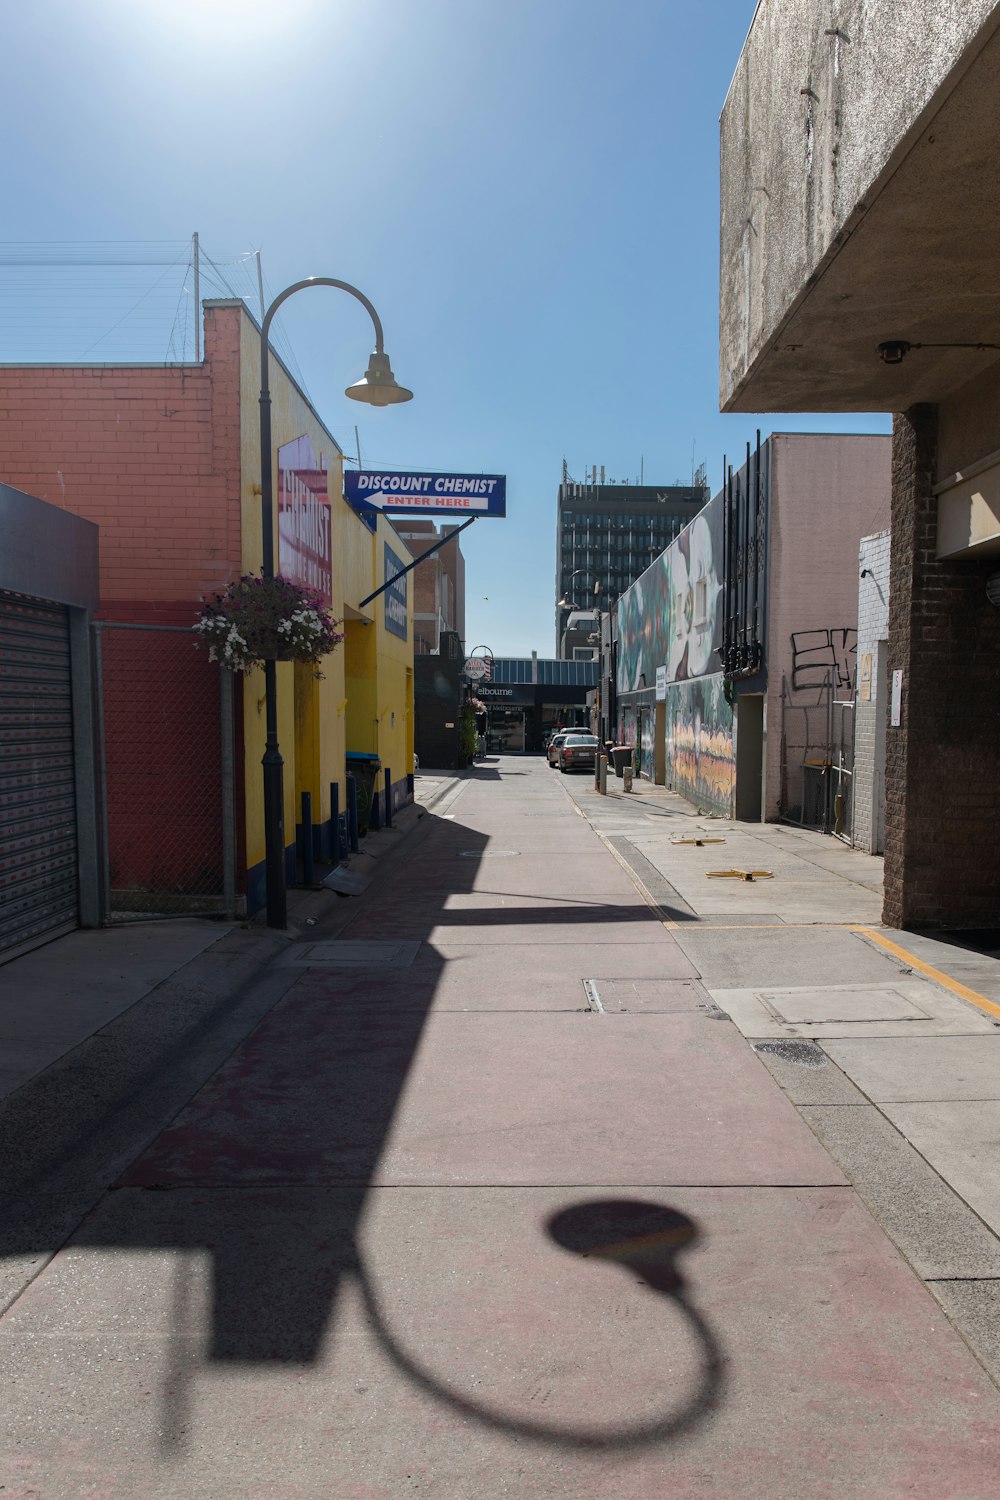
<point x="378" y="388"/>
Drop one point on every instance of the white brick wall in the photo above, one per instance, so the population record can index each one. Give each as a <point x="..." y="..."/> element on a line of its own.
<point x="870" y="715"/>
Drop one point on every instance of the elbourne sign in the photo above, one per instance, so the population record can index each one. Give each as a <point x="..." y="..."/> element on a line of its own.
<point x="426" y="494"/>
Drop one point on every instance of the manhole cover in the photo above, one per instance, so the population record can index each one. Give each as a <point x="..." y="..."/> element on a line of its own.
<point x="825" y="1007"/>
<point x="347" y="955"/>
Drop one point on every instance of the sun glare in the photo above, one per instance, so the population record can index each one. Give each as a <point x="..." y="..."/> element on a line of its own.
<point x="239" y="22"/>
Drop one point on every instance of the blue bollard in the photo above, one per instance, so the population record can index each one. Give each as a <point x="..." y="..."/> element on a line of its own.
<point x="352" y="814"/>
<point x="308" y="866"/>
<point x="335" y="854"/>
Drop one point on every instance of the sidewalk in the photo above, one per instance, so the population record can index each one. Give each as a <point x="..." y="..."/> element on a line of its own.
<point x="63" y="993"/>
<point x="489" y="1197"/>
<point x="887" y="1042"/>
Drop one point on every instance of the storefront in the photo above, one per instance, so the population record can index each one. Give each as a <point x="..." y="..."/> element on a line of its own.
<point x="522" y="714"/>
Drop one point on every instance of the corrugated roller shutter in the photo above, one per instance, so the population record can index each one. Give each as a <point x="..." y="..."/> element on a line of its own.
<point x="38" y="857"/>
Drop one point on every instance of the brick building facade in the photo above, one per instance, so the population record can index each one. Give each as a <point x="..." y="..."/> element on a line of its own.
<point x="438" y="584"/>
<point x="166" y="461"/>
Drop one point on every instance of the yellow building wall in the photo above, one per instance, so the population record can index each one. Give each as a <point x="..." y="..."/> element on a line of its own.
<point x="364" y="697"/>
<point x="394" y="667"/>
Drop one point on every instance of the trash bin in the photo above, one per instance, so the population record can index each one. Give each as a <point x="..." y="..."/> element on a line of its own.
<point x="364" y="767"/>
<point x="622" y="757"/>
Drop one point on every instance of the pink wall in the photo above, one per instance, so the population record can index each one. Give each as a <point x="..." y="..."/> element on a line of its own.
<point x="827" y="492"/>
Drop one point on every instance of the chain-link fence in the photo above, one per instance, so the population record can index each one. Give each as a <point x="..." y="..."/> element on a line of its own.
<point x="167" y="774"/>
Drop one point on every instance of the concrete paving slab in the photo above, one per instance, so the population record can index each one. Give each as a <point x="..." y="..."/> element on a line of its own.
<point x="561" y="927"/>
<point x="496" y="965"/>
<point x="351" y="1365"/>
<point x="978" y="972"/>
<point x="935" y="950"/>
<point x="485" y="899"/>
<point x="934" y="1012"/>
<point x="486" y="1099"/>
<point x="742" y="958"/>
<point x="804" y="1073"/>
<point x="937" y="1232"/>
<point x="455" y="986"/>
<point x="804" y="887"/>
<point x="920" y="1068"/>
<point x="961" y="1140"/>
<point x="975" y="1307"/>
<point x="55" y="997"/>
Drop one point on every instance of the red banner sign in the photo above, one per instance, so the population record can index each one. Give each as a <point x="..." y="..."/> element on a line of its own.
<point x="304" y="518"/>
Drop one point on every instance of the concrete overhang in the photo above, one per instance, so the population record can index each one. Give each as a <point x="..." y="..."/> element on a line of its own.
<point x="916" y="259"/>
<point x="969" y="511"/>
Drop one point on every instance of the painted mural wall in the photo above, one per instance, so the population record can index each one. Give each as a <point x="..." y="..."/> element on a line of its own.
<point x="672" y="617"/>
<point x="701" y="751"/>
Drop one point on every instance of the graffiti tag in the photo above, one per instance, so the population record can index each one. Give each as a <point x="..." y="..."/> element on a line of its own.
<point x="822" y="656"/>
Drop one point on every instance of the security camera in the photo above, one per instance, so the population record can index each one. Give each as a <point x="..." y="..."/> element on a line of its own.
<point x="893" y="351"/>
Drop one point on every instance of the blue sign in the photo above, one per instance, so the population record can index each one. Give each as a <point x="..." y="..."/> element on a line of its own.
<point x="426" y="494"/>
<point x="395" y="594"/>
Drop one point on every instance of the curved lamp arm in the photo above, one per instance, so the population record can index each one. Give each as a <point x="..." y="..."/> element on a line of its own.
<point x="344" y="286"/>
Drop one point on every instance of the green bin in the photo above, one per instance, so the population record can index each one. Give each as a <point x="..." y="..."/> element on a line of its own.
<point x="364" y="767"/>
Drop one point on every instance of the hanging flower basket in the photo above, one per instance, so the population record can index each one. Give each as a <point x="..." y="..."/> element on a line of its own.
<point x="266" y="619"/>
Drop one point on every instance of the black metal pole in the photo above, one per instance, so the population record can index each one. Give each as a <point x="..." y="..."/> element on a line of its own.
<point x="726" y="581"/>
<point x="388" y="798"/>
<point x="758" y="644"/>
<point x="274" y="785"/>
<point x="274" y="782"/>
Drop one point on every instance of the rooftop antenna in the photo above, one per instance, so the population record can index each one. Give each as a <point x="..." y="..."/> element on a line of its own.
<point x="565" y="478"/>
<point x="357" y="443"/>
<point x="197" y="298"/>
<point x="642" y="468"/>
<point x="260" y="286"/>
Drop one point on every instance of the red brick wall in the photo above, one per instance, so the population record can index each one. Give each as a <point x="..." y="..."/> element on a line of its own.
<point x="151" y="455"/>
<point x="942" y="853"/>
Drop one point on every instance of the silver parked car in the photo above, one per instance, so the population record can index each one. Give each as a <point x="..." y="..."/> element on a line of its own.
<point x="578" y="752"/>
<point x="554" y="746"/>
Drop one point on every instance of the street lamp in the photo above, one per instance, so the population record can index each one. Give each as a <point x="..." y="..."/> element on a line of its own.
<point x="377" y="387"/>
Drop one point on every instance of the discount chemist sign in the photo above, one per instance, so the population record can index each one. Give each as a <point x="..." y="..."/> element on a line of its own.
<point x="427" y="494"/>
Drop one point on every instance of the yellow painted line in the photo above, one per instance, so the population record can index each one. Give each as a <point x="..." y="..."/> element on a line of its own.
<point x="775" y="926"/>
<point x="961" y="990"/>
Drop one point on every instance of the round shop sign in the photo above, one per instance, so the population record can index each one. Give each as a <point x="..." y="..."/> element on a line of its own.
<point x="476" y="667"/>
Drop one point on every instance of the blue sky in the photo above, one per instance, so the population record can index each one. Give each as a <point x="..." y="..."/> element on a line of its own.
<point x="526" y="189"/>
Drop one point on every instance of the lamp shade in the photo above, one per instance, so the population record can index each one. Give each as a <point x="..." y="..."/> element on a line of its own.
<point x="379" y="388"/>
